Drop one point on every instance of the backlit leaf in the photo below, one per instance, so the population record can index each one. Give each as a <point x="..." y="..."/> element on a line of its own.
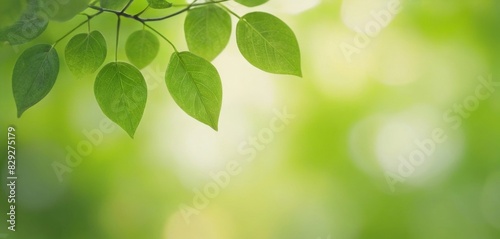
<point x="85" y="53"/>
<point x="159" y="4"/>
<point x="207" y="29"/>
<point x="142" y="47"/>
<point x="268" y="44"/>
<point x="34" y="76"/>
<point x="120" y="90"/>
<point x="251" y="3"/>
<point x="195" y="85"/>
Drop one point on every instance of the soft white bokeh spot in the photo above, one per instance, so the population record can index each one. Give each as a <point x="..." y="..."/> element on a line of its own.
<point x="291" y="6"/>
<point x="396" y="143"/>
<point x="196" y="149"/>
<point x="357" y="14"/>
<point x="382" y="144"/>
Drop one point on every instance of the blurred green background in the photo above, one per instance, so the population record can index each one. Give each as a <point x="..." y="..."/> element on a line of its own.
<point x="333" y="171"/>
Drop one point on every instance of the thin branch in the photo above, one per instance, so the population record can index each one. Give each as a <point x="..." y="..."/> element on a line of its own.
<point x="199" y="4"/>
<point x="126" y="6"/>
<point x="94" y="3"/>
<point x="143" y="20"/>
<point x="122" y="14"/>
<point x="117" y="37"/>
<point x="141" y="12"/>
<point x="137" y="17"/>
<point x="162" y="36"/>
<point x="79" y="25"/>
<point x="173" y="14"/>
<point x="229" y="10"/>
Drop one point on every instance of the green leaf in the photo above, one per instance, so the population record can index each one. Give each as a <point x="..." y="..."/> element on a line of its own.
<point x="120" y="90"/>
<point x="159" y="4"/>
<point x="114" y="4"/>
<point x="142" y="47"/>
<point x="34" y="76"/>
<point x="268" y="44"/>
<point x="67" y="10"/>
<point x="195" y="85"/>
<point x="85" y="53"/>
<point x="251" y="3"/>
<point x="207" y="29"/>
<point x="30" y="25"/>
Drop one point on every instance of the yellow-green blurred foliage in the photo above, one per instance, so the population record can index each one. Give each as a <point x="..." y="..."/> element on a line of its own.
<point x="324" y="175"/>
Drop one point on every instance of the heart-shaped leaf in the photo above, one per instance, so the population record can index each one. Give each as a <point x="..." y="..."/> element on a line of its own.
<point x="142" y="48"/>
<point x="34" y="76"/>
<point x="268" y="44"/>
<point x="207" y="29"/>
<point x="195" y="85"/>
<point x="120" y="90"/>
<point x="159" y="4"/>
<point x="251" y="3"/>
<point x="85" y="53"/>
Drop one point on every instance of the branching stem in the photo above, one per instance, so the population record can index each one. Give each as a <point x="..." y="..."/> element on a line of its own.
<point x="162" y="36"/>
<point x="141" y="12"/>
<point x="79" y="25"/>
<point x="128" y="5"/>
<point x="229" y="10"/>
<point x="199" y="4"/>
<point x="117" y="36"/>
<point x="138" y="18"/>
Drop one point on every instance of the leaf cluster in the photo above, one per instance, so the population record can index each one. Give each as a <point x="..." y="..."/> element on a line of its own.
<point x="120" y="89"/>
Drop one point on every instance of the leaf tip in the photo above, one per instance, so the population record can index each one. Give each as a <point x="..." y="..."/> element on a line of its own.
<point x="20" y="110"/>
<point x="298" y="73"/>
<point x="215" y="127"/>
<point x="130" y="131"/>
